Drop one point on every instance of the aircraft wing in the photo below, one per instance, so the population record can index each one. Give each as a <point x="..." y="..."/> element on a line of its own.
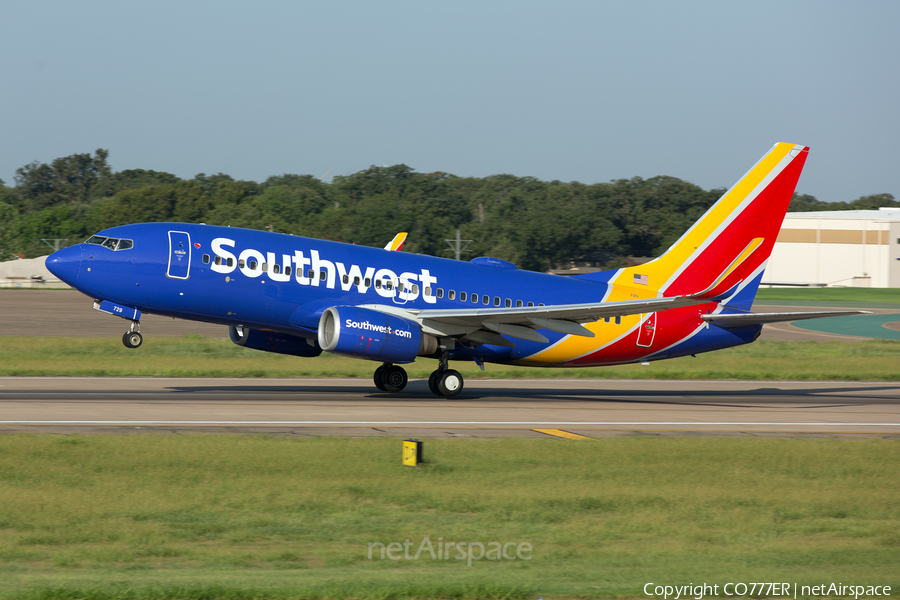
<point x="488" y="325"/>
<point x="485" y="325"/>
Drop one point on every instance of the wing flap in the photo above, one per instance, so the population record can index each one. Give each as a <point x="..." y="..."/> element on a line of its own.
<point x="517" y="331"/>
<point x="561" y="326"/>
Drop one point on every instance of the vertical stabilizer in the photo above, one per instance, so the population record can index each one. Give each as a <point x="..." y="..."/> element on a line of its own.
<point x="733" y="239"/>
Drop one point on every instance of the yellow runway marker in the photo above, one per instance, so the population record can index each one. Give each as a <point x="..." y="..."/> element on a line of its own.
<point x="563" y="434"/>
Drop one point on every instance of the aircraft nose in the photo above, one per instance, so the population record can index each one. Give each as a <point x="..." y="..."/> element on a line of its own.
<point x="65" y="264"/>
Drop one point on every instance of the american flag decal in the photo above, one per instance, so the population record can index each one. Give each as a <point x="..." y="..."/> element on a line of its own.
<point x="641" y="279"/>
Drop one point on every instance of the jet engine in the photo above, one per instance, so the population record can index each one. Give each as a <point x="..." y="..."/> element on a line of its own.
<point x="373" y="335"/>
<point x="272" y="341"/>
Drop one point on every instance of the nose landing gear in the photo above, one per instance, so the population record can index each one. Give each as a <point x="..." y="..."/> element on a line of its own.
<point x="133" y="338"/>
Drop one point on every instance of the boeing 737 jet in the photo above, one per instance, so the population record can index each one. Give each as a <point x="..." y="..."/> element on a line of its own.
<point x="300" y="296"/>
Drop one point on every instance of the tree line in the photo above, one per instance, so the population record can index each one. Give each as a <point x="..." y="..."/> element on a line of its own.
<point x="536" y="224"/>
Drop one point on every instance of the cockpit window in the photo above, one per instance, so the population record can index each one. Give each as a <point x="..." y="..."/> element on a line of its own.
<point x="111" y="243"/>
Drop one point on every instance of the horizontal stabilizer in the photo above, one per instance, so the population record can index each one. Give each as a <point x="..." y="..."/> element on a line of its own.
<point x="746" y="319"/>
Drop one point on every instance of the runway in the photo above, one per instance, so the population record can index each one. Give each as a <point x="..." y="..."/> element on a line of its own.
<point x="486" y="408"/>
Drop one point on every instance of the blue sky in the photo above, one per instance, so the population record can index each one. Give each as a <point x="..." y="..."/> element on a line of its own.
<point x="586" y="91"/>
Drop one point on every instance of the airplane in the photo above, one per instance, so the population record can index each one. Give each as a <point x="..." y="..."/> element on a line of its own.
<point x="300" y="296"/>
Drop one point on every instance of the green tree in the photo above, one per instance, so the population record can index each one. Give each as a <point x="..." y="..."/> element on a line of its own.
<point x="873" y="202"/>
<point x="182" y="201"/>
<point x="807" y="203"/>
<point x="8" y="231"/>
<point x="130" y="179"/>
<point x="66" y="179"/>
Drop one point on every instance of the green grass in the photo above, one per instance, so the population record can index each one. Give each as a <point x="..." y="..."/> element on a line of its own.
<point x="200" y="517"/>
<point x="831" y="294"/>
<point x="195" y="356"/>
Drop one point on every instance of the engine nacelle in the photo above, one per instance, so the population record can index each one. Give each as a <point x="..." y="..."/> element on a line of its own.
<point x="373" y="335"/>
<point x="272" y="341"/>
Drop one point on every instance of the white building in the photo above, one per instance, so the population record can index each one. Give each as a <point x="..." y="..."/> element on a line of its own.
<point x="856" y="248"/>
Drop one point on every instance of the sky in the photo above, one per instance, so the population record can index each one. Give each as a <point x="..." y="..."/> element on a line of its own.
<point x="584" y="91"/>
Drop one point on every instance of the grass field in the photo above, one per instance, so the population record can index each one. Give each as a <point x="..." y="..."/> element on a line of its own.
<point x="195" y="356"/>
<point x="202" y="517"/>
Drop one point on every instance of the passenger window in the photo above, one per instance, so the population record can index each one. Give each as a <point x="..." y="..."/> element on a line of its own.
<point x="310" y="274"/>
<point x="276" y="268"/>
<point x="440" y="293"/>
<point x="367" y="282"/>
<point x="323" y="275"/>
<point x="518" y="304"/>
<point x="415" y="289"/>
<point x="241" y="262"/>
<point x="125" y="245"/>
<point x="287" y="270"/>
<point x="252" y="264"/>
<point x="531" y="304"/>
<point x="462" y="296"/>
<point x="541" y="304"/>
<point x="508" y="303"/>
<point x="496" y="300"/>
<point x="451" y="295"/>
<point x="230" y="262"/>
<point x="377" y="284"/>
<point x="606" y="319"/>
<point x="345" y="279"/>
<point x="388" y="284"/>
<point x="265" y="267"/>
<point x="206" y="259"/>
<point x="356" y="281"/>
<point x="401" y="286"/>
<point x="474" y="298"/>
<point x="618" y="320"/>
<point x="218" y="261"/>
<point x="486" y="299"/>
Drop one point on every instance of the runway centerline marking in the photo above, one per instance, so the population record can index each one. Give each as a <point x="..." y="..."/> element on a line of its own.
<point x="562" y="434"/>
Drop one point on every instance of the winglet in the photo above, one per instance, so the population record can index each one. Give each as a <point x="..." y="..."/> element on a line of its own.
<point x="397" y="243"/>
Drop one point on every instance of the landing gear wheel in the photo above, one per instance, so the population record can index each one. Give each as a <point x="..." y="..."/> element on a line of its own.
<point x="132" y="339"/>
<point x="378" y="374"/>
<point x="449" y="383"/>
<point x="432" y="382"/>
<point x="394" y="378"/>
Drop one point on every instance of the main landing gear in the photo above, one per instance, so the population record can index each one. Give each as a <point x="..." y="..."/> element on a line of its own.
<point x="443" y="382"/>
<point x="132" y="337"/>
<point x="390" y="378"/>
